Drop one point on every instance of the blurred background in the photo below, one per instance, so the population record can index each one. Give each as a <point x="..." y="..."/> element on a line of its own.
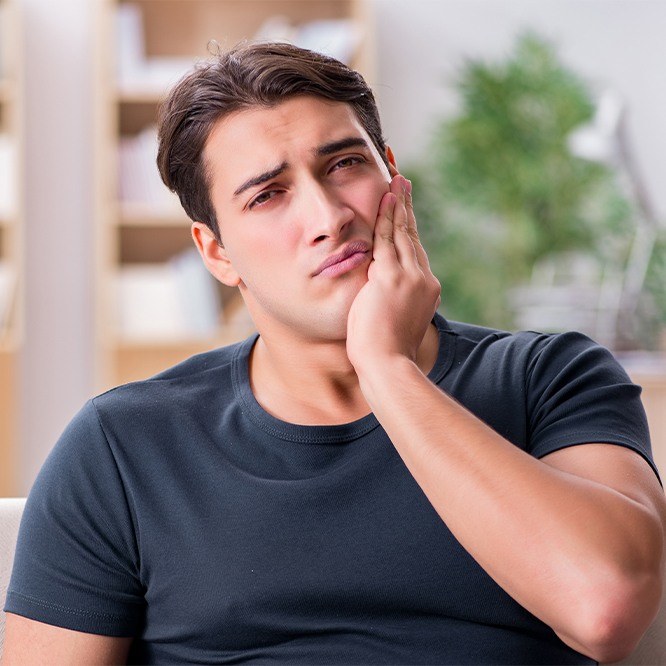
<point x="533" y="131"/>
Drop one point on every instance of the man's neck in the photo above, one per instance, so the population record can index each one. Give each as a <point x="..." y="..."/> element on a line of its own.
<point x="315" y="383"/>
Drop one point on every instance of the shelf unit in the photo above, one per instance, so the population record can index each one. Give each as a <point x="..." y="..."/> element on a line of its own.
<point x="131" y="232"/>
<point x="648" y="370"/>
<point x="11" y="149"/>
<point x="654" y="399"/>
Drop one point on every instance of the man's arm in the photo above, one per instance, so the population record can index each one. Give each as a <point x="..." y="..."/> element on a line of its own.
<point x="29" y="642"/>
<point x="76" y="558"/>
<point x="577" y="538"/>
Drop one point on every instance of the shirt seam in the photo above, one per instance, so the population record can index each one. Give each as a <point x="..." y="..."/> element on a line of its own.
<point x="51" y="606"/>
<point x="248" y="410"/>
<point x="130" y="507"/>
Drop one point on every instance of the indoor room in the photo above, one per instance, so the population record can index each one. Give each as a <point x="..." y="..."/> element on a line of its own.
<point x="532" y="134"/>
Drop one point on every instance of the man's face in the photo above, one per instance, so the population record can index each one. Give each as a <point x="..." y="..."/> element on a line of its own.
<point x="296" y="189"/>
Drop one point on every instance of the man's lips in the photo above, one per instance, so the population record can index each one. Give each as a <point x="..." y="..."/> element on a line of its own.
<point x="350" y="256"/>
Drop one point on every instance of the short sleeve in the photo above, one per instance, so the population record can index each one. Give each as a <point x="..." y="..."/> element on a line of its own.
<point x="578" y="393"/>
<point x="77" y="563"/>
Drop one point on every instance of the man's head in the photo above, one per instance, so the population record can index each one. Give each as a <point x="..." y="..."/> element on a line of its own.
<point x="252" y="75"/>
<point x="278" y="158"/>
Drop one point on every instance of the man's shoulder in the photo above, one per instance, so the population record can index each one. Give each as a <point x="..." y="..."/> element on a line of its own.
<point x="474" y="332"/>
<point x="475" y="335"/>
<point x="524" y="348"/>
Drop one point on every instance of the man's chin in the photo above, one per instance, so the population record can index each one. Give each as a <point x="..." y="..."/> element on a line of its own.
<point x="333" y="330"/>
<point x="331" y="324"/>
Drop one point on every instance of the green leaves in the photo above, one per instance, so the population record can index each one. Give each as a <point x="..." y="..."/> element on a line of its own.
<point x="501" y="190"/>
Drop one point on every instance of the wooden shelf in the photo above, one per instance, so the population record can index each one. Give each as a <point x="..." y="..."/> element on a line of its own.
<point x="8" y="343"/>
<point x="648" y="370"/>
<point x="136" y="115"/>
<point x="654" y="400"/>
<point x="139" y="96"/>
<point x="144" y="215"/>
<point x="225" y="335"/>
<point x="6" y="91"/>
<point x="10" y="245"/>
<point x="8" y="405"/>
<point x="151" y="243"/>
<point x="131" y="361"/>
<point x="183" y="28"/>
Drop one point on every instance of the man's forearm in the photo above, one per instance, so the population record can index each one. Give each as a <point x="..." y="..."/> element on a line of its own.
<point x="578" y="554"/>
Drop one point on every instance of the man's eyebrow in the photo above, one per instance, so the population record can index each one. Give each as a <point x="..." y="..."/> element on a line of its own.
<point x="325" y="149"/>
<point x="261" y="178"/>
<point x="335" y="146"/>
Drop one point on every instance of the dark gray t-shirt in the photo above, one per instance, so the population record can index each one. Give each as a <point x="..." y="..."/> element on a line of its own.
<point x="176" y="510"/>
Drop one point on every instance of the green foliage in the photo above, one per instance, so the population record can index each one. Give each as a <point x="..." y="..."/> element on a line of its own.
<point x="500" y="190"/>
<point x="467" y="264"/>
<point x="655" y="284"/>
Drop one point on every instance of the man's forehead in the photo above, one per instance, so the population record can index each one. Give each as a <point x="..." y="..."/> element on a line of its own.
<point x="258" y="138"/>
<point x="302" y="118"/>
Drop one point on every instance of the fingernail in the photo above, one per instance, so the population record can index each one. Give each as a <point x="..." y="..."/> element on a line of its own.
<point x="408" y="186"/>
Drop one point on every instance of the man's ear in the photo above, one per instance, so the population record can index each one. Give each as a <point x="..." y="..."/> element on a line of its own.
<point x="214" y="255"/>
<point x="393" y="167"/>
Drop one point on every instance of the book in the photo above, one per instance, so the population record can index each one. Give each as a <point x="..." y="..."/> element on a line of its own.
<point x="168" y="302"/>
<point x="137" y="72"/>
<point x="7" y="176"/>
<point x="7" y="292"/>
<point x="139" y="180"/>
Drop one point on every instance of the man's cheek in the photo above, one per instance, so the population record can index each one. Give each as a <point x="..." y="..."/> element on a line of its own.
<point x="379" y="195"/>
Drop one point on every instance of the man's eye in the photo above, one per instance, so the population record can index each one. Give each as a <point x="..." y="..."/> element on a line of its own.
<point x="262" y="198"/>
<point x="347" y="162"/>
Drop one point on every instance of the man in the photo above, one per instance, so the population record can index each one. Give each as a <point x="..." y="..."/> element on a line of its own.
<point x="362" y="482"/>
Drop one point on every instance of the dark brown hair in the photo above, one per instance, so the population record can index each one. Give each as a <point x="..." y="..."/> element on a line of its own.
<point x="261" y="74"/>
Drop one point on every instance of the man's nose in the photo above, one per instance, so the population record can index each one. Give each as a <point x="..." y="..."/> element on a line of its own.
<point x="326" y="215"/>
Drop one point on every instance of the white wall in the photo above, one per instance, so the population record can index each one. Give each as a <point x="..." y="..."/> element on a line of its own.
<point x="56" y="364"/>
<point x="615" y="43"/>
<point x="621" y="43"/>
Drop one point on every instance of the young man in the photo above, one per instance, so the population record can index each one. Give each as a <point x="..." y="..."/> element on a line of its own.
<point x="361" y="482"/>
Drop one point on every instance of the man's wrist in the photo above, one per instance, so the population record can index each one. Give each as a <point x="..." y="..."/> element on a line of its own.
<point x="377" y="372"/>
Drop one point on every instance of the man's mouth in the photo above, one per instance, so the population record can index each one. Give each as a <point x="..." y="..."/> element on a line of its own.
<point x="350" y="257"/>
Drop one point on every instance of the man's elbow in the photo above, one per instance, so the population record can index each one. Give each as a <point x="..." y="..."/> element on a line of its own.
<point x="615" y="620"/>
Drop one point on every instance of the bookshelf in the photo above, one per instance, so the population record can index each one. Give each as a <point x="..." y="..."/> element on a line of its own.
<point x="10" y="238"/>
<point x="142" y="232"/>
<point x="654" y="399"/>
<point x="648" y="370"/>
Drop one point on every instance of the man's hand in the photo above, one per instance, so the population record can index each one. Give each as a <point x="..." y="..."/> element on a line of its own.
<point x="391" y="313"/>
<point x="525" y="521"/>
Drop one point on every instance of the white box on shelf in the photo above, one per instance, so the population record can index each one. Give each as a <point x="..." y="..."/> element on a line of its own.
<point x="136" y="72"/>
<point x="176" y="300"/>
<point x="7" y="291"/>
<point x="197" y="293"/>
<point x="130" y="47"/>
<point x="148" y="307"/>
<point x="3" y="41"/>
<point x="139" y="180"/>
<point x="338" y="38"/>
<point x="7" y="176"/>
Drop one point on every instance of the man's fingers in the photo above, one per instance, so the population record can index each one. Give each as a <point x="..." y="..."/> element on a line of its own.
<point x="384" y="247"/>
<point x="403" y="238"/>
<point x="421" y="255"/>
<point x="396" y="236"/>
